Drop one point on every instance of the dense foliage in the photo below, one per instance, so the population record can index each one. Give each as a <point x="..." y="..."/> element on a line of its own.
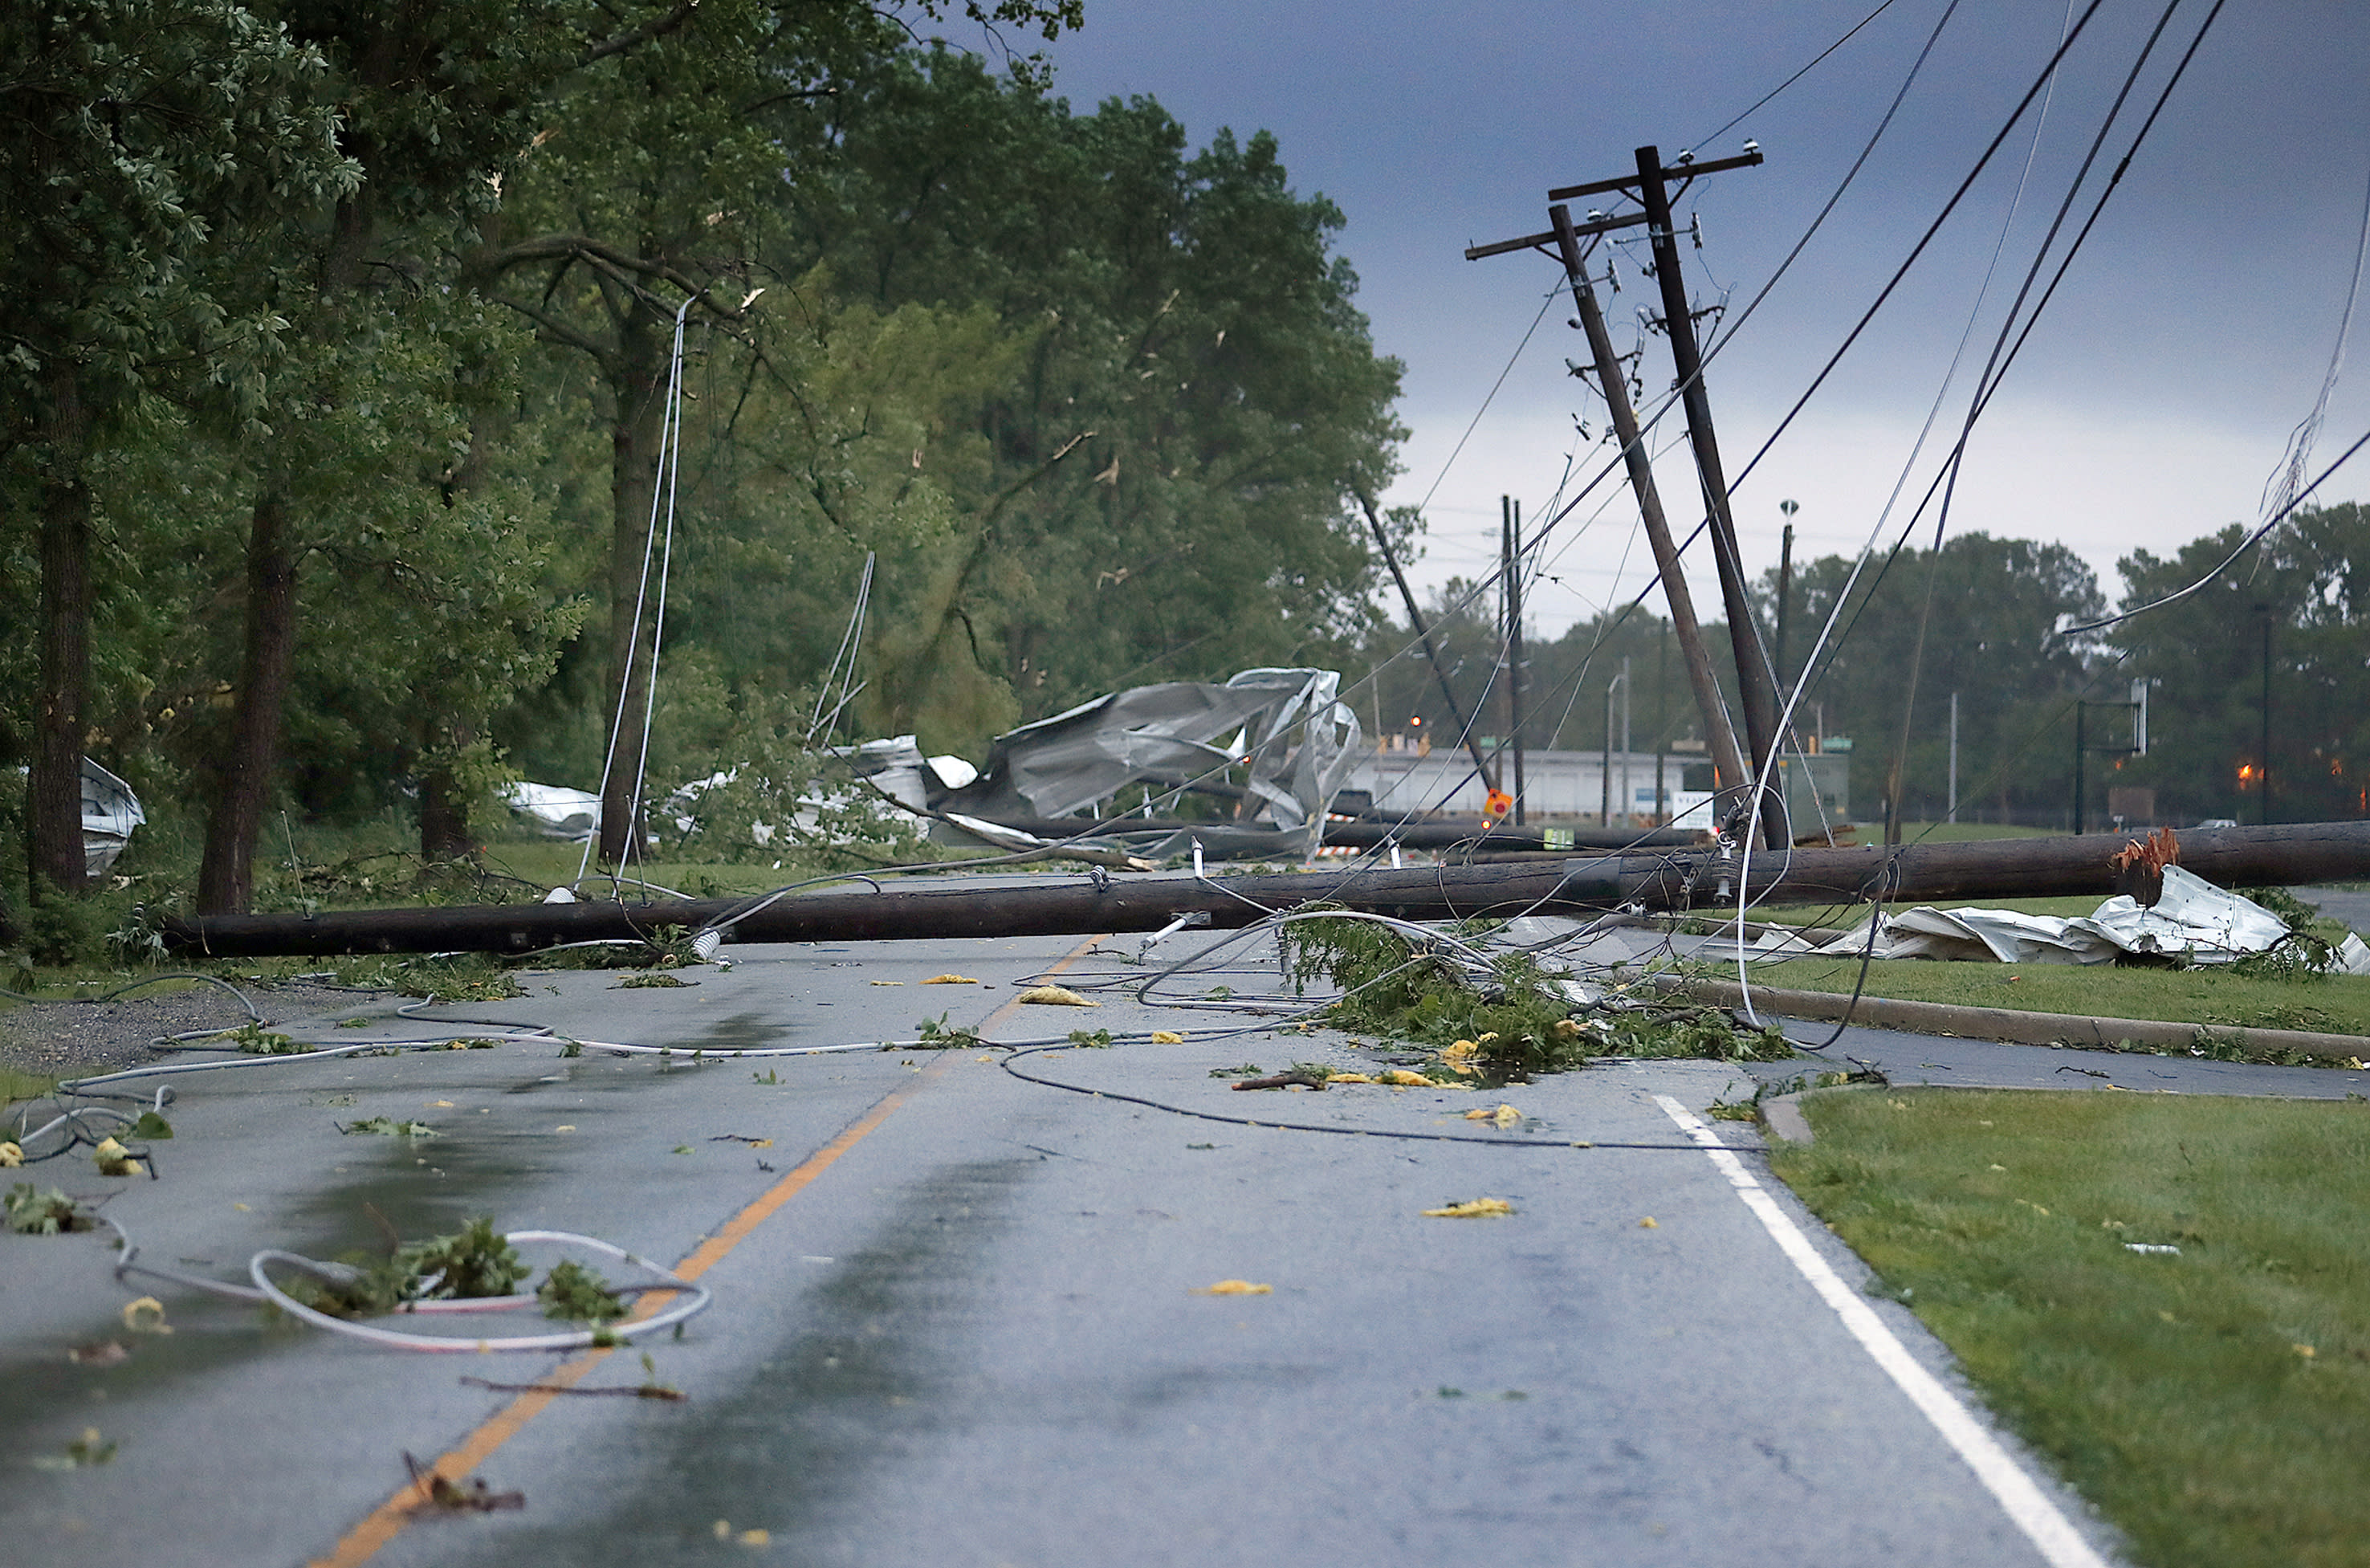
<point x="333" y="407"/>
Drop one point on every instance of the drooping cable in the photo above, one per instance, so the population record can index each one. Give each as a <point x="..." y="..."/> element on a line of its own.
<point x="662" y="496"/>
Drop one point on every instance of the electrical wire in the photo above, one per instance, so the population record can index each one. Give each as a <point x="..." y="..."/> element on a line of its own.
<point x="1763" y="101"/>
<point x="695" y="1298"/>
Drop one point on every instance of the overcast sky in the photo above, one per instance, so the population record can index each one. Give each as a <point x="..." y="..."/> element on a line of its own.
<point x="2155" y="398"/>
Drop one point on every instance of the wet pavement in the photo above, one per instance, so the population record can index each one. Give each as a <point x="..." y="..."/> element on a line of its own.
<point x="961" y="1317"/>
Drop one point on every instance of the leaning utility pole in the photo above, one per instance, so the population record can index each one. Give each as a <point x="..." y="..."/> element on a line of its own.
<point x="1720" y="739"/>
<point x="1423" y="635"/>
<point x="1756" y="684"/>
<point x="1757" y="687"/>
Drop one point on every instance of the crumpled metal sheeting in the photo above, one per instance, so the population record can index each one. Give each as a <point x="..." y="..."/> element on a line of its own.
<point x="1299" y="738"/>
<point x="109" y="811"/>
<point x="2191" y="921"/>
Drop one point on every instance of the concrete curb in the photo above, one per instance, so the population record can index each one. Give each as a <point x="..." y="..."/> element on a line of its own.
<point x="1783" y="1116"/>
<point x="2022" y="1028"/>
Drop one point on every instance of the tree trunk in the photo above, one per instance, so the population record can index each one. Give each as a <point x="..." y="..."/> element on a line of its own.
<point x="227" y="876"/>
<point x="54" y="811"/>
<point x="443" y="809"/>
<point x="638" y="380"/>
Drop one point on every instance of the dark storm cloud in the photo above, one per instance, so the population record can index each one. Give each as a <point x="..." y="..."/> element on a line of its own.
<point x="2191" y="335"/>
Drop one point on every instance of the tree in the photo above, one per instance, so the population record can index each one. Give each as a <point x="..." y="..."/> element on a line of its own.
<point x="135" y="139"/>
<point x="2303" y="594"/>
<point x="1977" y="617"/>
<point x="650" y="198"/>
<point x="1187" y="328"/>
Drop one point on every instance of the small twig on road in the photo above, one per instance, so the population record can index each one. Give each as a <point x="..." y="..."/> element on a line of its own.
<point x="639" y="1391"/>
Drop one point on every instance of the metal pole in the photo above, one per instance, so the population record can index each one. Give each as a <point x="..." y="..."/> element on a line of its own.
<point x="1720" y="739"/>
<point x="1432" y="654"/>
<point x="1756" y="685"/>
<point x="1785" y="590"/>
<point x="2266" y="813"/>
<point x="1605" y="777"/>
<point x="1953" y="816"/>
<point x="2079" y="706"/>
<point x="1662" y="719"/>
<point x="1628" y="799"/>
<point x="1514" y="643"/>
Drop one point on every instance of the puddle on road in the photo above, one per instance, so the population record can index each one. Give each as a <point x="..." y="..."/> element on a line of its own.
<point x="740" y="1032"/>
<point x="859" y="1385"/>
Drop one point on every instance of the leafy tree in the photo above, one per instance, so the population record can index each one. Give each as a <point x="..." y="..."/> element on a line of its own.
<point x="1171" y="468"/>
<point x="650" y="196"/>
<point x="1978" y="618"/>
<point x="2308" y="587"/>
<point x="136" y="137"/>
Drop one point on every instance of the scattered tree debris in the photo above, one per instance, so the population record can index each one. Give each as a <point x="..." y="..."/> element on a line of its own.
<point x="388" y="1126"/>
<point x="1236" y="1288"/>
<point x="83" y="1452"/>
<point x="42" y="1210"/>
<point x="1284" y="1080"/>
<point x="257" y="1041"/>
<point x="631" y="1391"/>
<point x="574" y="1294"/>
<point x="934" y="1034"/>
<point x="950" y="980"/>
<point x="1472" y="1208"/>
<point x="1055" y="997"/>
<point x="146" y="1316"/>
<point x="113" y="1159"/>
<point x="476" y="1497"/>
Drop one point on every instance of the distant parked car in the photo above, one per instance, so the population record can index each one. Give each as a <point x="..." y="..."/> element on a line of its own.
<point x="2219" y="822"/>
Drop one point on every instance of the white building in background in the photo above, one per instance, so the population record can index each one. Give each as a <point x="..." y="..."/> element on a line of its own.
<point x="1566" y="785"/>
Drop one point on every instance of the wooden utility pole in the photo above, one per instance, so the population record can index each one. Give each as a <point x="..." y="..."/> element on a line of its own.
<point x="1756" y="688"/>
<point x="956" y="907"/>
<point x="1756" y="685"/>
<point x="1423" y="635"/>
<point x="1510" y="550"/>
<point x="1720" y="739"/>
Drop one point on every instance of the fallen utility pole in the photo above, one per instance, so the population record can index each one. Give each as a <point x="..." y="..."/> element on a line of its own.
<point x="1424" y="634"/>
<point x="2025" y="868"/>
<point x="1375" y="828"/>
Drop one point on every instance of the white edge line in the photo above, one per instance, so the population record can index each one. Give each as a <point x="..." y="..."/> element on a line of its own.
<point x="2059" y="1543"/>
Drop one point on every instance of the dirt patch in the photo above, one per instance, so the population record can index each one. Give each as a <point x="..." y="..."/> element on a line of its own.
<point x="55" y="1038"/>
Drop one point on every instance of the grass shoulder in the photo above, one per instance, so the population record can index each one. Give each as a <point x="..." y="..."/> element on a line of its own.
<point x="2336" y="1004"/>
<point x="2209" y="1400"/>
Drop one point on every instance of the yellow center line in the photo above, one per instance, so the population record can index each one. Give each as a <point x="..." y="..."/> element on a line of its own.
<point x="386" y="1521"/>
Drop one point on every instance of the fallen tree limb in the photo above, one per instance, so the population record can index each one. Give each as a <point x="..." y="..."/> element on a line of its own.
<point x="2008" y="868"/>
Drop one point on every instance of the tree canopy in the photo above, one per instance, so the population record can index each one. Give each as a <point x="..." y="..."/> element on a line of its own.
<point x="334" y="425"/>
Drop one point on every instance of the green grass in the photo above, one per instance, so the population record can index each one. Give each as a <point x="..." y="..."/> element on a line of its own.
<point x="2336" y="1004"/>
<point x="2212" y="1405"/>
<point x="16" y="1085"/>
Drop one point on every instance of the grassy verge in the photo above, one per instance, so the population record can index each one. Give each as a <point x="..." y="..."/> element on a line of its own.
<point x="2336" y="1004"/>
<point x="2212" y="1404"/>
<point x="16" y="1086"/>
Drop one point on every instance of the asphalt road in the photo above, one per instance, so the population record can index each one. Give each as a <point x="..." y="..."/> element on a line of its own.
<point x="957" y="1317"/>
